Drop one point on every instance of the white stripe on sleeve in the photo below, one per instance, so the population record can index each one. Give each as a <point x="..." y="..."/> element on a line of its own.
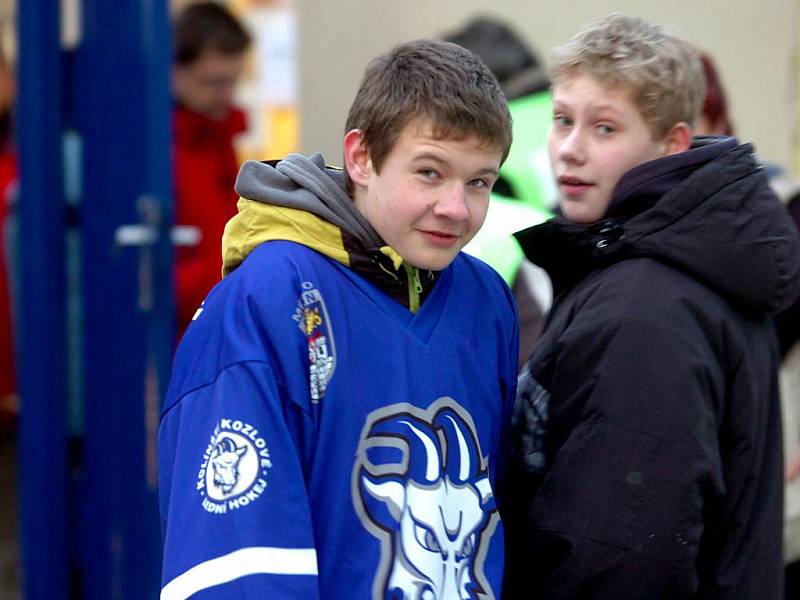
<point x="247" y="561"/>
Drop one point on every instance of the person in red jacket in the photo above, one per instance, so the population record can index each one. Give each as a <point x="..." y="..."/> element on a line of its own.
<point x="8" y="177"/>
<point x="8" y="387"/>
<point x="210" y="46"/>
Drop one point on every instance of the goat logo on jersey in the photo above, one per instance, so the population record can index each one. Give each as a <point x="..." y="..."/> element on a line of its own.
<point x="312" y="318"/>
<point x="225" y="464"/>
<point x="234" y="469"/>
<point x="420" y="486"/>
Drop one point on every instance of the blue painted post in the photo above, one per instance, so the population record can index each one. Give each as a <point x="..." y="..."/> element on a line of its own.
<point x="42" y="439"/>
<point x="122" y="113"/>
<point x="99" y="539"/>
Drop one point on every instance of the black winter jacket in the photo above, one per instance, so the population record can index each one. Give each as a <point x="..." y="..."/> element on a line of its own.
<point x="647" y="456"/>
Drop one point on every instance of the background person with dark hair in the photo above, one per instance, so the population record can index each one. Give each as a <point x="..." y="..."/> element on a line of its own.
<point x="210" y="46"/>
<point x="714" y="120"/>
<point x="523" y="194"/>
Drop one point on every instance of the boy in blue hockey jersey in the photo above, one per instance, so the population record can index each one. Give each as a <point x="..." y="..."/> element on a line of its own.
<point x="333" y="423"/>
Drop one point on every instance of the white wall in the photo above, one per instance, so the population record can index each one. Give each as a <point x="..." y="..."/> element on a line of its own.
<point x="752" y="43"/>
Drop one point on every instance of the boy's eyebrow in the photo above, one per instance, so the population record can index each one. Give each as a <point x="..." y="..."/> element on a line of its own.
<point x="560" y="104"/>
<point x="442" y="161"/>
<point x="487" y="171"/>
<point x="430" y="156"/>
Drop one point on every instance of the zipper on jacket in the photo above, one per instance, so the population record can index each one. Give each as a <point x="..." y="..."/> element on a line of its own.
<point x="414" y="287"/>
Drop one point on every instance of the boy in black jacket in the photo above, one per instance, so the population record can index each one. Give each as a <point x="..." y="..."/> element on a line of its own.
<point x="647" y="459"/>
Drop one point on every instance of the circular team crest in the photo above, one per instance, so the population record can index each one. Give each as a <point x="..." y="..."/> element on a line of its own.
<point x="234" y="469"/>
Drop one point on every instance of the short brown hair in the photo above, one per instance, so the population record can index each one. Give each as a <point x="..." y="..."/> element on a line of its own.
<point x="434" y="80"/>
<point x="207" y="26"/>
<point x="662" y="71"/>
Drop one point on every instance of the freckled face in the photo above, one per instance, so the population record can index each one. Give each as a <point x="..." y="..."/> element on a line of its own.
<point x="598" y="134"/>
<point x="431" y="195"/>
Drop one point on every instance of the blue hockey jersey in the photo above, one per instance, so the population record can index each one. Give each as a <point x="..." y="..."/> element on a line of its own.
<point x="321" y="440"/>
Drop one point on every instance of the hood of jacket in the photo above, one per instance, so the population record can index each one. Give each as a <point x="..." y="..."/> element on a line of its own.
<point x="708" y="211"/>
<point x="300" y="199"/>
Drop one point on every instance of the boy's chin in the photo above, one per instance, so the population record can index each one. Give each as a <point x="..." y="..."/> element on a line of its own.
<point x="582" y="212"/>
<point x="432" y="263"/>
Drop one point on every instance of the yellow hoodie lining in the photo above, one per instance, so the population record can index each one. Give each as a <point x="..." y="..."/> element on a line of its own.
<point x="258" y="222"/>
<point x="396" y="259"/>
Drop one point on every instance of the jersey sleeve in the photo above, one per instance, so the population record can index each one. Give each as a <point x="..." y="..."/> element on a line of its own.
<point x="235" y="513"/>
<point x="622" y="492"/>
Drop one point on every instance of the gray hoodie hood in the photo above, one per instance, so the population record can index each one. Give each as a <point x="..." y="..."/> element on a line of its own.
<point x="301" y="200"/>
<point x="306" y="183"/>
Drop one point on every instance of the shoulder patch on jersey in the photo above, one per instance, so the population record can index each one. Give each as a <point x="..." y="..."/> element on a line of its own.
<point x="234" y="469"/>
<point x="311" y="316"/>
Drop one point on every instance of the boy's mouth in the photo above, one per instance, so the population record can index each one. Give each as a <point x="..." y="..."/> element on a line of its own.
<point x="439" y="238"/>
<point x="573" y="185"/>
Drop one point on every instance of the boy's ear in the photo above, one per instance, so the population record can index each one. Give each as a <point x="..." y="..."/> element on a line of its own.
<point x="678" y="139"/>
<point x="356" y="157"/>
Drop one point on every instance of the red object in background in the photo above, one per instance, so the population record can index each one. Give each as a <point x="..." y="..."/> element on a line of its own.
<point x="205" y="171"/>
<point x="8" y="385"/>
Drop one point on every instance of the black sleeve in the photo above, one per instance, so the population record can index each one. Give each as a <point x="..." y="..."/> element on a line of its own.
<point x="788" y="320"/>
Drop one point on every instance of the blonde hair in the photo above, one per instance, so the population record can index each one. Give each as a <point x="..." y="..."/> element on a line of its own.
<point x="662" y="72"/>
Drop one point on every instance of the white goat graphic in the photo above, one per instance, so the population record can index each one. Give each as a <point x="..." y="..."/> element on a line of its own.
<point x="431" y="510"/>
<point x="225" y="462"/>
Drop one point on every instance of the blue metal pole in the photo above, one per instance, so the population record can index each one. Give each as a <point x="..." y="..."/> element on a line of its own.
<point x="123" y="117"/>
<point x="42" y="441"/>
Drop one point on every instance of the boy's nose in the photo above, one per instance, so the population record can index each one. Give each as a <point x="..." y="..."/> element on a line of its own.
<point x="452" y="203"/>
<point x="571" y="148"/>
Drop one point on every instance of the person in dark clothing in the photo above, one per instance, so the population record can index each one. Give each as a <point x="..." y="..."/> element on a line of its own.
<point x="788" y="321"/>
<point x="788" y="327"/>
<point x="646" y="458"/>
<point x="716" y="120"/>
<point x="210" y="46"/>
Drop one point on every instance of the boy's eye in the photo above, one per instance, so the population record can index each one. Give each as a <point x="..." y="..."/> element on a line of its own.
<point x="429" y="174"/>
<point x="605" y="129"/>
<point x="480" y="184"/>
<point x="562" y="121"/>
